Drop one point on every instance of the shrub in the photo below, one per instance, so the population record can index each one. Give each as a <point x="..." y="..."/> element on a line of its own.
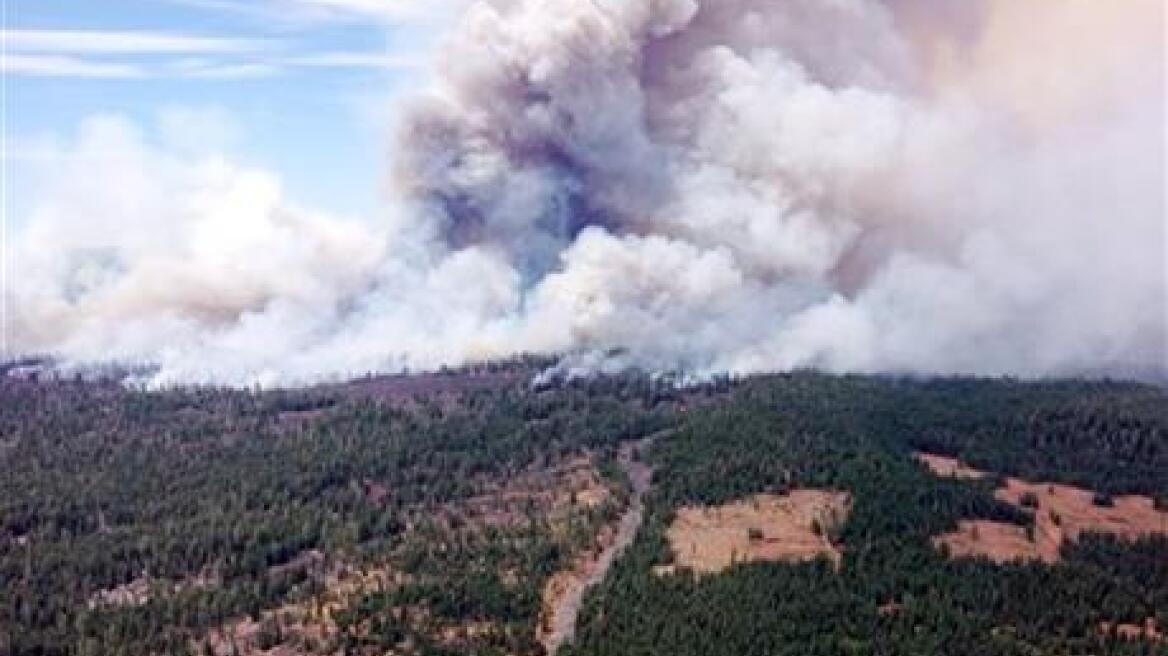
<point x="1029" y="500"/>
<point x="1103" y="499"/>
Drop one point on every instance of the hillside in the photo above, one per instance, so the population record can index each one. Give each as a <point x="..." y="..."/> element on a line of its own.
<point x="447" y="513"/>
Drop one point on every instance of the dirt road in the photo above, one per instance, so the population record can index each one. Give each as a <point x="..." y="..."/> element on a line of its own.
<point x="563" y="619"/>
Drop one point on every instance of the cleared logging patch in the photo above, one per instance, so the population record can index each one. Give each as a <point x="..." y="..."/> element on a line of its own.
<point x="1061" y="513"/>
<point x="798" y="527"/>
<point x="947" y="467"/>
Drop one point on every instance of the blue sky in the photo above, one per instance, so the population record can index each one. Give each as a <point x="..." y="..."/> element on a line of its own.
<point x="302" y="88"/>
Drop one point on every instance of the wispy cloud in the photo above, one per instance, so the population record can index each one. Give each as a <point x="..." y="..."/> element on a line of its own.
<point x="152" y="55"/>
<point x="218" y="70"/>
<point x="354" y="60"/>
<point x="381" y="9"/>
<point x="200" y="69"/>
<point x="69" y="66"/>
<point x="97" y="42"/>
<point x="257" y="10"/>
<point x="313" y="11"/>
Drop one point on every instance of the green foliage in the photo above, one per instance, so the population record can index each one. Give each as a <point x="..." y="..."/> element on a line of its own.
<point x="212" y="495"/>
<point x="857" y="434"/>
<point x="215" y="497"/>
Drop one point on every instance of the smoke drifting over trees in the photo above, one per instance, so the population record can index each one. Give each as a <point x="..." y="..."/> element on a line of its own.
<point x="707" y="185"/>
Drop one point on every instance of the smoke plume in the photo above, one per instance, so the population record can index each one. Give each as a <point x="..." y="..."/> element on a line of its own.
<point x="969" y="186"/>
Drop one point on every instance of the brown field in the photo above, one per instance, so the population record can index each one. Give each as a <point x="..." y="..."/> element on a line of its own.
<point x="1061" y="513"/>
<point x="792" y="528"/>
<point x="1001" y="542"/>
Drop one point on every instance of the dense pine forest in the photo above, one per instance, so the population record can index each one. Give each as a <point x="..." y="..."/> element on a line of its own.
<point x="895" y="594"/>
<point x="224" y="502"/>
<point x="425" y="515"/>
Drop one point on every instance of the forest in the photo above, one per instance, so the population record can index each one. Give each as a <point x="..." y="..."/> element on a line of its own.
<point x="895" y="593"/>
<point x="425" y="514"/>
<point x="223" y="504"/>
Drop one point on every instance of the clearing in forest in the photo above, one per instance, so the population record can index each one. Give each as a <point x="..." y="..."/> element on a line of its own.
<point x="1148" y="630"/>
<point x="1061" y="513"/>
<point x="796" y="527"/>
<point x="947" y="467"/>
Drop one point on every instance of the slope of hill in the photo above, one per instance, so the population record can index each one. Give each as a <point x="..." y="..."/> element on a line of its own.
<point x="894" y="592"/>
<point x="427" y="515"/>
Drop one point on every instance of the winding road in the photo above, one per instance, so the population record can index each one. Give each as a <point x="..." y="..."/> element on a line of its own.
<point x="567" y="608"/>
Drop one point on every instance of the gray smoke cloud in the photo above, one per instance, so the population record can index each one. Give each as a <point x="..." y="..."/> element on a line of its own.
<point x="708" y="185"/>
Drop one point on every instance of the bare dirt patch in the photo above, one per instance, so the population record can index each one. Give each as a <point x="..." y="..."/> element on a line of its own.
<point x="1001" y="542"/>
<point x="550" y="492"/>
<point x="1146" y="631"/>
<point x="796" y="527"/>
<point x="1061" y="513"/>
<point x="140" y="591"/>
<point x="947" y="467"/>
<point x="303" y="627"/>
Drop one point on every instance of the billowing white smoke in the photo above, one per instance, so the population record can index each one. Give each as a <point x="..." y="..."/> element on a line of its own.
<point x="709" y="185"/>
